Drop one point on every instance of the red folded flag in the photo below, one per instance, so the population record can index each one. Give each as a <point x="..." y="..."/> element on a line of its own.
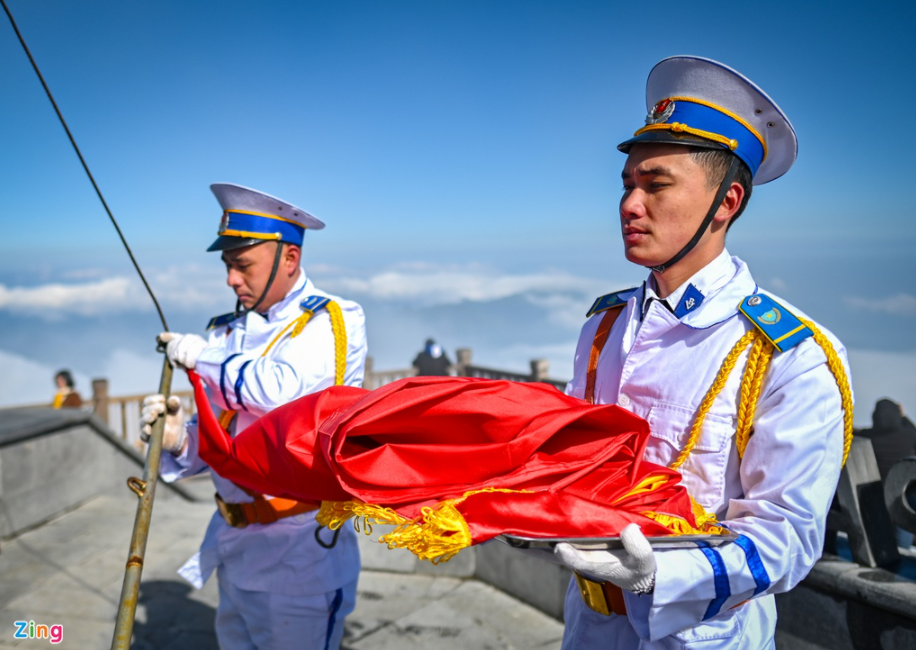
<point x="455" y="461"/>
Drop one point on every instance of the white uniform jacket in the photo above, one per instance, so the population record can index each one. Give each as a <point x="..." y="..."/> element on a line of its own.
<point x="660" y="366"/>
<point x="282" y="557"/>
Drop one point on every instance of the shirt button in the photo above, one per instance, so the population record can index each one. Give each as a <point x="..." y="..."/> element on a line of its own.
<point x="624" y="400"/>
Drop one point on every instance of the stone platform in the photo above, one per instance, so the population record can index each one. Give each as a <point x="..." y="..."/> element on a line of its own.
<point x="69" y="570"/>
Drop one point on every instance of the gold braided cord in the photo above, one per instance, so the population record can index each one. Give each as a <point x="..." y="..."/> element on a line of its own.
<point x="842" y="382"/>
<point x="252" y="213"/>
<point x="298" y="324"/>
<point x="740" y="120"/>
<point x="249" y="234"/>
<point x="340" y="338"/>
<point x="727" y="365"/>
<point x="340" y="342"/>
<point x="758" y="362"/>
<point x="751" y="385"/>
<point x="678" y="127"/>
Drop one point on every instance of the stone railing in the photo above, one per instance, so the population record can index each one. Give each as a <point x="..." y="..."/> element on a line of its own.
<point x="539" y="370"/>
<point x="122" y="413"/>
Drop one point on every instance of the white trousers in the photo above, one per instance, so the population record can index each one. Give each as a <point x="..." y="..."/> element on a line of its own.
<point x="260" y="620"/>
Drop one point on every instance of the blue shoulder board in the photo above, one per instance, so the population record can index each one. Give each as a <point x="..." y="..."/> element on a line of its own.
<point x="314" y="303"/>
<point x="610" y="300"/>
<point x="219" y="321"/>
<point x="776" y="322"/>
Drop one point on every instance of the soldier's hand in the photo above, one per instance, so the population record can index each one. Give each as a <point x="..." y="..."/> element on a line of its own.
<point x="632" y="568"/>
<point x="183" y="349"/>
<point x="174" y="436"/>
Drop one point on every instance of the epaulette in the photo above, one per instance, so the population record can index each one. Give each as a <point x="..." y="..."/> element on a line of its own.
<point x="219" y="321"/>
<point x="611" y="300"/>
<point x="782" y="328"/>
<point x="314" y="303"/>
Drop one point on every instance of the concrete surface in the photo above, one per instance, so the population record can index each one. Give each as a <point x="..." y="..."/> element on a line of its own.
<point x="69" y="572"/>
<point x="53" y="460"/>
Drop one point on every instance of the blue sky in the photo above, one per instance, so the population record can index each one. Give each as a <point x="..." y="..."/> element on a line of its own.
<point x="462" y="154"/>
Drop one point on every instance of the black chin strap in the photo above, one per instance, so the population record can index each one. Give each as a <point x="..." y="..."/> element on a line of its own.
<point x="716" y="202"/>
<point x="273" y="274"/>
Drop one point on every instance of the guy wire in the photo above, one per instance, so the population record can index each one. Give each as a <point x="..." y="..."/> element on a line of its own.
<point x="85" y="166"/>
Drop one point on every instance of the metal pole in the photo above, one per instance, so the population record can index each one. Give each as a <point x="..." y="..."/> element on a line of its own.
<point x="146" y="490"/>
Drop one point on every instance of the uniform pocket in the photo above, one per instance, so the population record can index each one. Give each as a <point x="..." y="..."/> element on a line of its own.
<point x="704" y="470"/>
<point x="723" y="631"/>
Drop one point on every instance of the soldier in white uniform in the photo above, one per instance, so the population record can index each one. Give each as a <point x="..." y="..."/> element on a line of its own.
<point x="284" y="582"/>
<point x="748" y="398"/>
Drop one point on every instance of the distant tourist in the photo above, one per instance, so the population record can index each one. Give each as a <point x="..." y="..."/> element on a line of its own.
<point x="432" y="360"/>
<point x="66" y="396"/>
<point x="893" y="437"/>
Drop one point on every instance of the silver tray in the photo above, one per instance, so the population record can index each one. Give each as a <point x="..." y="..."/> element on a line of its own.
<point x="608" y="543"/>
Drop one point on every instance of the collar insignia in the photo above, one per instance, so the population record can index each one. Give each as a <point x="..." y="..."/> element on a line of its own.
<point x="691" y="299"/>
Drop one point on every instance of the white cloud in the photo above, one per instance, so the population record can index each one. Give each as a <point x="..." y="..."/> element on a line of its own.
<point x="777" y="284"/>
<point x="901" y="304"/>
<point x="192" y="287"/>
<point x="88" y="298"/>
<point x="876" y="375"/>
<point x="427" y="284"/>
<point x="203" y="288"/>
<point x="186" y="288"/>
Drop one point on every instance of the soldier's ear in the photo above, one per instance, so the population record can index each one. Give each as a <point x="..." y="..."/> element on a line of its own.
<point x="292" y="254"/>
<point x="731" y="202"/>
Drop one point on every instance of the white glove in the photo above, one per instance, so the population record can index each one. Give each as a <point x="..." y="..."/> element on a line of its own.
<point x="183" y="349"/>
<point x="174" y="436"/>
<point x="632" y="568"/>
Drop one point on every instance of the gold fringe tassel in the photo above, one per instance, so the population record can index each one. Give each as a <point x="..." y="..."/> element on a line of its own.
<point x="436" y="535"/>
<point x="706" y="521"/>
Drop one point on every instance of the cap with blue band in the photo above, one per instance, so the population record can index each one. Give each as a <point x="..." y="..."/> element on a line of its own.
<point x="701" y="102"/>
<point x="252" y="225"/>
<point x="250" y="217"/>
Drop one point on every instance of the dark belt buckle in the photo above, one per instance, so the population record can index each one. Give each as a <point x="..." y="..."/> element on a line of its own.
<point x="232" y="513"/>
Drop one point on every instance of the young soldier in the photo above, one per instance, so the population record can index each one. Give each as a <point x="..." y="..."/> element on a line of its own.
<point x="283" y="583"/>
<point x="744" y="395"/>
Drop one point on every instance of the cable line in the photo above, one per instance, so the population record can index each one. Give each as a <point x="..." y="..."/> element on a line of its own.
<point x="85" y="166"/>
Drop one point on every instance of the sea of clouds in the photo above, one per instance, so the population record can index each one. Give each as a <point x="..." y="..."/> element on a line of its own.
<point x="101" y="325"/>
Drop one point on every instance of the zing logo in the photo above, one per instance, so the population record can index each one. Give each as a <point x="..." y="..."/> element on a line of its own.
<point x="31" y="630"/>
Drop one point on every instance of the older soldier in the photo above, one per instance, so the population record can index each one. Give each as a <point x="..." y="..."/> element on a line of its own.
<point x="748" y="398"/>
<point x="283" y="582"/>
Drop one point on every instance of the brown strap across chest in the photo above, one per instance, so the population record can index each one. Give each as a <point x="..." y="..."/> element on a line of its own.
<point x="604" y="329"/>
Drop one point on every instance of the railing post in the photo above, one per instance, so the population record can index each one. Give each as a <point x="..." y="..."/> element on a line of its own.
<point x="369" y="380"/>
<point x="463" y="359"/>
<point x="100" y="399"/>
<point x="540" y="369"/>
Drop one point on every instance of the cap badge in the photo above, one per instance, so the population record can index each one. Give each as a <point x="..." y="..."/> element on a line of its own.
<point x="660" y="112"/>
